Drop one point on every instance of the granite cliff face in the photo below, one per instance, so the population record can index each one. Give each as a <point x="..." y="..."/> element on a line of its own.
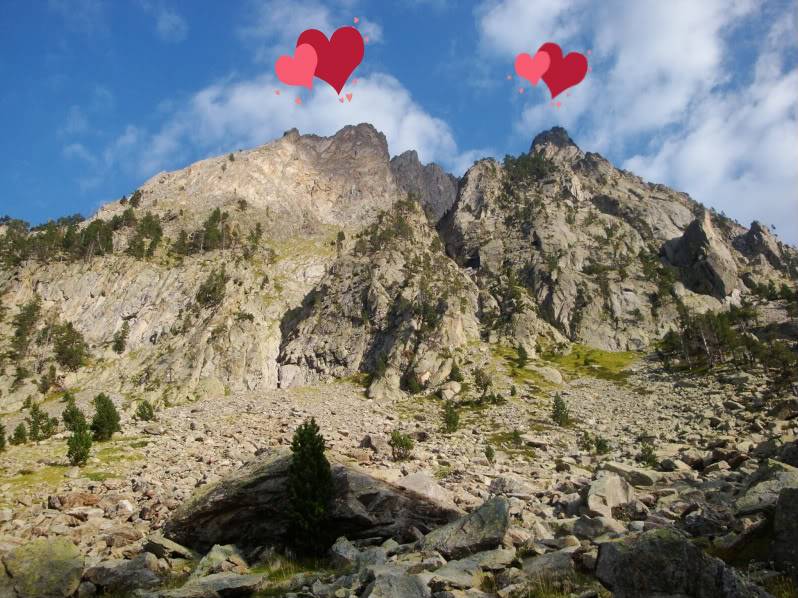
<point x="344" y="276"/>
<point x="601" y="253"/>
<point x="435" y="188"/>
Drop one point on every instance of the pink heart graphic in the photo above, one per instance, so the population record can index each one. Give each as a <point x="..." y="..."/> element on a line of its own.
<point x="299" y="69"/>
<point x="341" y="100"/>
<point x="532" y="69"/>
<point x="349" y="97"/>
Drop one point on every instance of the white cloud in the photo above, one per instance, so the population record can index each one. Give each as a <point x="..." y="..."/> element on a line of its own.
<point x="273" y="26"/>
<point x="370" y="30"/>
<point x="84" y="16"/>
<point x="169" y="24"/>
<point x="79" y="151"/>
<point x="508" y="27"/>
<point x="235" y="114"/>
<point x="667" y="97"/>
<point x="75" y="122"/>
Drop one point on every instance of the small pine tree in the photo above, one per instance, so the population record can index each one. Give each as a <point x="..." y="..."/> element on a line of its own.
<point x="145" y="411"/>
<point x="310" y="490"/>
<point x="72" y="416"/>
<point x="20" y="435"/>
<point x="523" y="356"/>
<point x="451" y="417"/>
<point x="120" y="338"/>
<point x="70" y="348"/>
<point x="48" y="380"/>
<point x="2" y="437"/>
<point x="482" y="380"/>
<point x="38" y="423"/>
<point x="79" y="444"/>
<point x="456" y="375"/>
<point x="106" y="418"/>
<point x="401" y="445"/>
<point x="490" y="454"/>
<point x="560" y="413"/>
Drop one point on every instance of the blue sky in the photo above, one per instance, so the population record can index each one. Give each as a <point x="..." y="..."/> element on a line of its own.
<point x="100" y="95"/>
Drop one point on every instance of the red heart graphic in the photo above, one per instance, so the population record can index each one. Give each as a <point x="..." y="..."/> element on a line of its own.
<point x="563" y="72"/>
<point x="338" y="57"/>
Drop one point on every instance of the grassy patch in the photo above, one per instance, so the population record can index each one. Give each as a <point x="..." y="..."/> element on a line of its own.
<point x="510" y="443"/>
<point x="443" y="472"/>
<point x="49" y="476"/>
<point x="596" y="363"/>
<point x="521" y="376"/>
<point x="99" y="476"/>
<point x="782" y="587"/>
<point x="280" y="570"/>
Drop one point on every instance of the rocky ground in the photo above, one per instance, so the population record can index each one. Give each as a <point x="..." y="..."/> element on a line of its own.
<point x="723" y="463"/>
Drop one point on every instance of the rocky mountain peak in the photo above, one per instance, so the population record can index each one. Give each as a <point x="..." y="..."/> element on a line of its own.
<point x="435" y="188"/>
<point x="556" y="144"/>
<point x="556" y="136"/>
<point x="360" y="141"/>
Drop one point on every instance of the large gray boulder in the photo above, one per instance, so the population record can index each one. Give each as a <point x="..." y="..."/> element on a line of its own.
<point x="785" y="529"/>
<point x="762" y="488"/>
<point x="43" y="568"/>
<point x="607" y="491"/>
<point x="662" y="563"/>
<point x="119" y="576"/>
<point x="249" y="507"/>
<point x="483" y="529"/>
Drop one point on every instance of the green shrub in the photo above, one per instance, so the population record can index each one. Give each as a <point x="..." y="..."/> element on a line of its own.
<point x="211" y="292"/>
<point x="594" y="443"/>
<point x="401" y="445"/>
<point x="523" y="356"/>
<point x="412" y="384"/>
<point x="120" y="338"/>
<point x="79" y="445"/>
<point x="490" y="454"/>
<point x="602" y="445"/>
<point x="2" y="437"/>
<point x="310" y="491"/>
<point x="106" y="418"/>
<point x="515" y="437"/>
<point x="72" y="416"/>
<point x="145" y="411"/>
<point x="456" y="375"/>
<point x="647" y="455"/>
<point x="560" y="414"/>
<point x="20" y="435"/>
<point x="451" y="417"/>
<point x="70" y="348"/>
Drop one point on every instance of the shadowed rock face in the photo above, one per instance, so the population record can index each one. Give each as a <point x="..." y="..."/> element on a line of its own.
<point x="664" y="563"/>
<point x="435" y="188"/>
<point x="249" y="508"/>
<point x="707" y="264"/>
